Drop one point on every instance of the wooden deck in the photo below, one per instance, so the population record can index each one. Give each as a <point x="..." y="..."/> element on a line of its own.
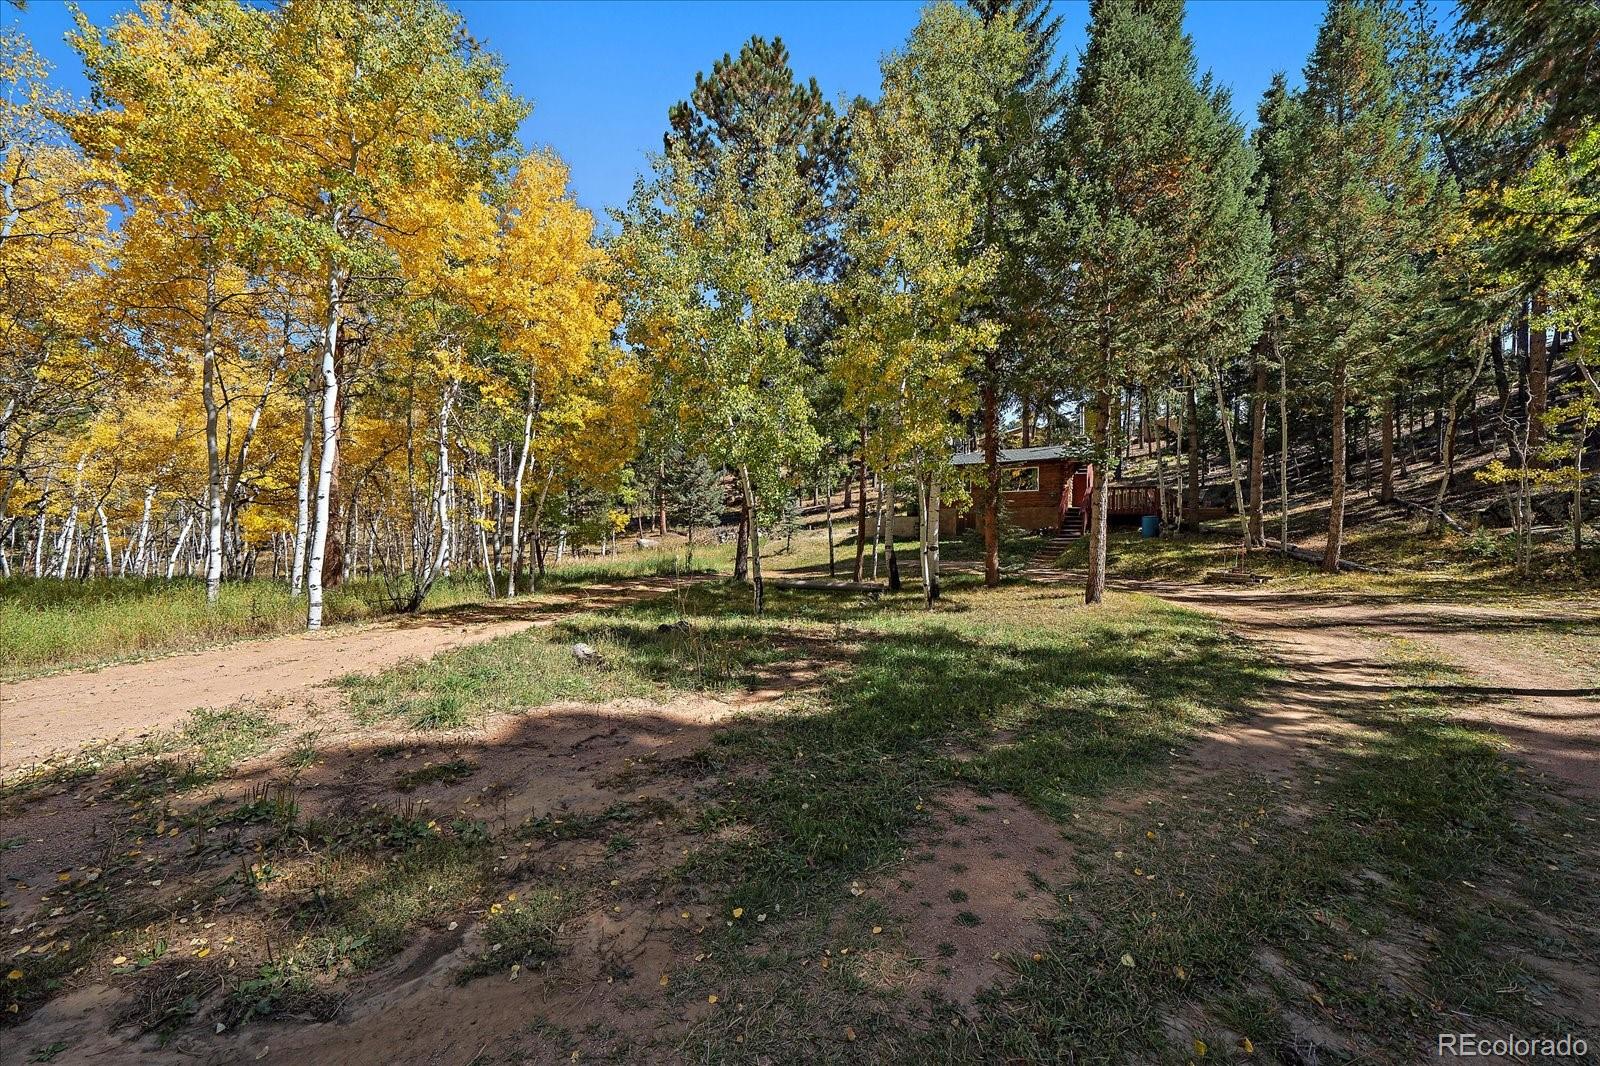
<point x="1132" y="500"/>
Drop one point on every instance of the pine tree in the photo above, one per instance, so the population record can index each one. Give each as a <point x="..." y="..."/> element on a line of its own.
<point x="752" y="103"/>
<point x="1223" y="296"/>
<point x="692" y="492"/>
<point x="1359" y="188"/>
<point x="1532" y="74"/>
<point x="1018" y="125"/>
<point x="1116" y="232"/>
<point x="1278" y="140"/>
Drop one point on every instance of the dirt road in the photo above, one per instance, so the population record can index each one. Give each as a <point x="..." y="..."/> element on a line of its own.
<point x="1338" y="648"/>
<point x="64" y="712"/>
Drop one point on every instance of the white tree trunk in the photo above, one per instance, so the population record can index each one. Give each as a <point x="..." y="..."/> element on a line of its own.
<point x="105" y="536"/>
<point x="925" y="541"/>
<point x="69" y="531"/>
<point x="214" y="486"/>
<point x="438" y="560"/>
<point x="302" y="520"/>
<point x="141" y="539"/>
<point x="516" y="507"/>
<point x="330" y="449"/>
<point x="177" y="548"/>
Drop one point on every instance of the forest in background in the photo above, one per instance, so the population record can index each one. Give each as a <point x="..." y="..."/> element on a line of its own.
<point x="284" y="298"/>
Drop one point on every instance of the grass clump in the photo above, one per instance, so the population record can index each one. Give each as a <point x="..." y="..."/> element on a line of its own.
<point x="464" y="686"/>
<point x="521" y="932"/>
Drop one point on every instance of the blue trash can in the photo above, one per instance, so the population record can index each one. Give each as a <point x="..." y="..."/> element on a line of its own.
<point x="1150" y="525"/>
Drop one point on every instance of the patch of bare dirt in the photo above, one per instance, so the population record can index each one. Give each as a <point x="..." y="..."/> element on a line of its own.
<point x="970" y="893"/>
<point x="550" y="769"/>
<point x="65" y="712"/>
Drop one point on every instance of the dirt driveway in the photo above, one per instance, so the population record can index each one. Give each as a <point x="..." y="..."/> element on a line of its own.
<point x="1336" y="645"/>
<point x="63" y="712"/>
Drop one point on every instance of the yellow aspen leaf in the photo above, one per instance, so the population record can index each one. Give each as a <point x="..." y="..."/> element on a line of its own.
<point x="1199" y="1048"/>
<point x="712" y="998"/>
<point x="1127" y="960"/>
<point x="738" y="912"/>
<point x="1246" y="1046"/>
<point x="14" y="975"/>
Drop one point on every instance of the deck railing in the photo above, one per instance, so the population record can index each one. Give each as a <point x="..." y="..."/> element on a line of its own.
<point x="1132" y="499"/>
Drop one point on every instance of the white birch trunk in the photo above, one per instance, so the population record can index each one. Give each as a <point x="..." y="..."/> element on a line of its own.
<point x="924" y="541"/>
<point x="105" y="536"/>
<point x="177" y="548"/>
<point x="69" y="531"/>
<point x="302" y="520"/>
<point x="516" y="506"/>
<point x="141" y="539"/>
<point x="214" y="487"/>
<point x="330" y="449"/>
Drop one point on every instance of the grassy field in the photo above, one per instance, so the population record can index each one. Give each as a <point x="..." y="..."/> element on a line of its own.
<point x="1343" y="905"/>
<point x="48" y="625"/>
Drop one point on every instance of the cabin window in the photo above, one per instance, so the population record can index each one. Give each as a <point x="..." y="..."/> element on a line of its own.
<point x="1020" y="479"/>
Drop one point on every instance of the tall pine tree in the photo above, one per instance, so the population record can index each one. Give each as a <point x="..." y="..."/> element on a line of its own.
<point x="1021" y="118"/>
<point x="1359" y="188"/>
<point x="1116" y="233"/>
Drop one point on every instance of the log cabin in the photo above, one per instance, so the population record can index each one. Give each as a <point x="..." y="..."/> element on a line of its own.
<point x="1049" y="489"/>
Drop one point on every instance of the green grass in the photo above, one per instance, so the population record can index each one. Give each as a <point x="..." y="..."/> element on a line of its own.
<point x="1359" y="876"/>
<point x="521" y="933"/>
<point x="48" y="625"/>
<point x="1353" y="891"/>
<point x="1018" y="680"/>
<point x="206" y="747"/>
<point x="463" y="686"/>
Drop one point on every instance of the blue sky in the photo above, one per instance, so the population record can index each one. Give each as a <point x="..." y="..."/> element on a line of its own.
<point x="601" y="75"/>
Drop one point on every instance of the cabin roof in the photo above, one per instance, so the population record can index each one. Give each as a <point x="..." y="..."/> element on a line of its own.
<point x="1018" y="455"/>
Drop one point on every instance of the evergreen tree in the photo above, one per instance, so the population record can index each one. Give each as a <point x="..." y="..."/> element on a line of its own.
<point x="1019" y="121"/>
<point x="1223" y="296"/>
<point x="1360" y="185"/>
<point x="1532" y="74"/>
<point x="1115" y="235"/>
<point x="1278" y="141"/>
<point x="692" y="491"/>
<point x="751" y="103"/>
